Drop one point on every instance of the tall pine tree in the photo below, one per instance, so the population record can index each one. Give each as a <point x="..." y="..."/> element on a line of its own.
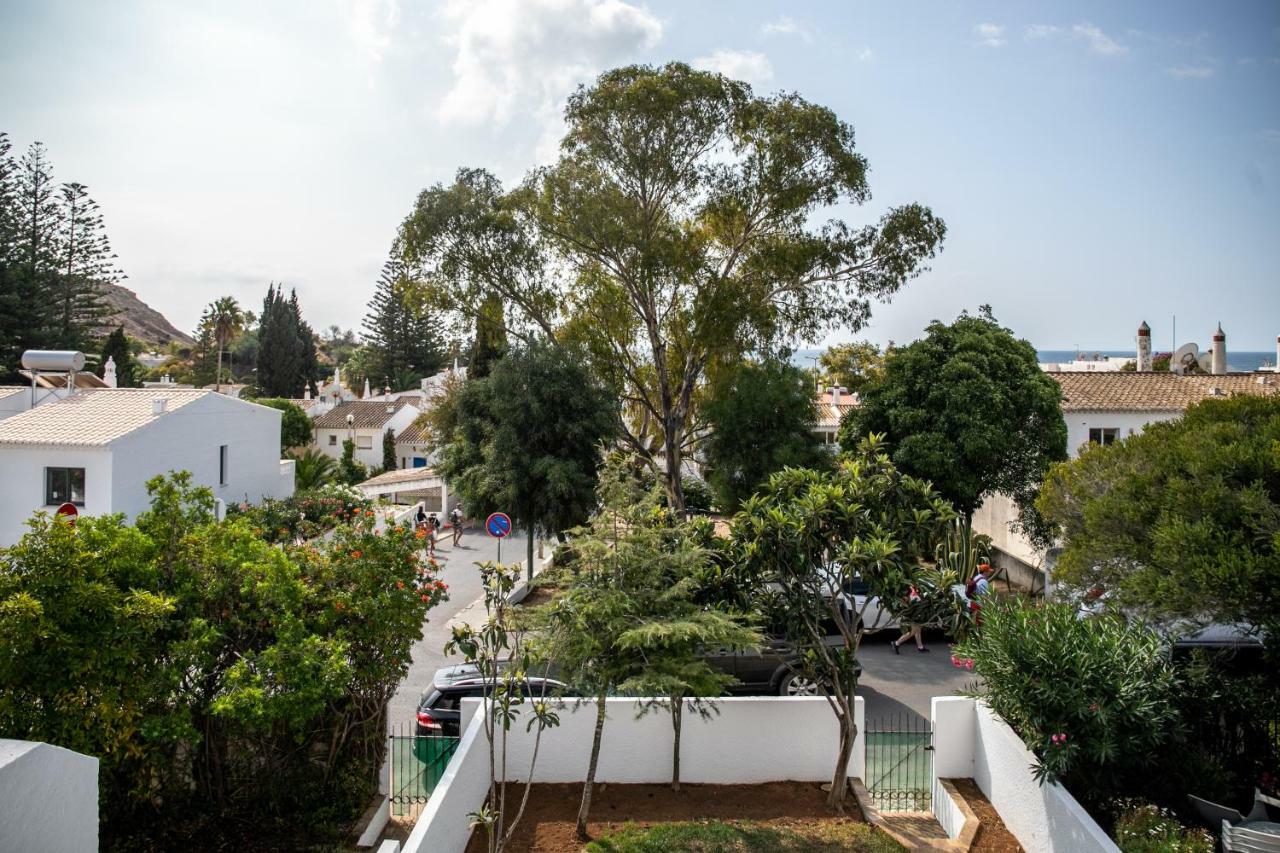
<point x="115" y="346"/>
<point x="54" y="258"/>
<point x="400" y="330"/>
<point x="85" y="263"/>
<point x="287" y="361"/>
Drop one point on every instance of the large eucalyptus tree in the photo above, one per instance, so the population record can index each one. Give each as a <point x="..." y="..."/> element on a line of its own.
<point x="679" y="225"/>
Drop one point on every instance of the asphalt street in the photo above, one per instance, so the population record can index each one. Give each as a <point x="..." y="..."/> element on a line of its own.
<point x="458" y="571"/>
<point x="890" y="684"/>
<point x="905" y="682"/>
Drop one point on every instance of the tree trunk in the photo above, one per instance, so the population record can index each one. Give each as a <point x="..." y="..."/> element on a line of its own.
<point x="840" y="778"/>
<point x="677" y="719"/>
<point x="585" y="807"/>
<point x="217" y="380"/>
<point x="528" y="566"/>
<point x="671" y="439"/>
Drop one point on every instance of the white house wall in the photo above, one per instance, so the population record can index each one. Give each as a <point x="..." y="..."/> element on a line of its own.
<point x="188" y="439"/>
<point x="1128" y="423"/>
<point x="371" y="456"/>
<point x="22" y="483"/>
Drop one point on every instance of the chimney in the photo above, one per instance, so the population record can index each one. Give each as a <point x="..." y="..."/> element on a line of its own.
<point x="835" y="395"/>
<point x="159" y="405"/>
<point x="1218" y="365"/>
<point x="109" y="372"/>
<point x="1144" y="348"/>
<point x="1278" y="354"/>
<point x="366" y="395"/>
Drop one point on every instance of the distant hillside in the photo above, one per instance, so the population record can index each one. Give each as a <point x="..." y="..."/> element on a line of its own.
<point x="140" y="319"/>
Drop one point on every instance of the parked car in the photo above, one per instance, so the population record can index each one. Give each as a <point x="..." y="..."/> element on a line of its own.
<point x="770" y="669"/>
<point x="440" y="708"/>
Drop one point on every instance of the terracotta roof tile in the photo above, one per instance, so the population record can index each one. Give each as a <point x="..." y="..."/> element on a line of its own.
<point x="1155" y="392"/>
<point x="369" y="414"/>
<point x="412" y="434"/>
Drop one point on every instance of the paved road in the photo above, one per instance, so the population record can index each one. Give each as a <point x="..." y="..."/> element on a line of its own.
<point x="458" y="570"/>
<point x="905" y="682"/>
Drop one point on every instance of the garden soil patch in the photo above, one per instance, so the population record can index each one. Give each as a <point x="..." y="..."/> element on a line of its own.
<point x="548" y="822"/>
<point x="993" y="836"/>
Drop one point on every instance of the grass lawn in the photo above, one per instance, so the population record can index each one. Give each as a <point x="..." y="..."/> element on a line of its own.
<point x="721" y="837"/>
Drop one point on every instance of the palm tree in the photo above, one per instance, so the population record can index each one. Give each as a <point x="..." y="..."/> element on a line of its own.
<point x="226" y="321"/>
<point x="312" y="469"/>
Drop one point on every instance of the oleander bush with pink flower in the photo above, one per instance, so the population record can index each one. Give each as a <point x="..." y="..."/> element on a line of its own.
<point x="1093" y="698"/>
<point x="305" y="515"/>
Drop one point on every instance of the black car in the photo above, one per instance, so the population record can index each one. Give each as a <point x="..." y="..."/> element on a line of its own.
<point x="769" y="670"/>
<point x="440" y="709"/>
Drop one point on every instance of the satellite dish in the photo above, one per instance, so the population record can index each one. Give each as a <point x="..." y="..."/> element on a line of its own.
<point x="1205" y="362"/>
<point x="1186" y="358"/>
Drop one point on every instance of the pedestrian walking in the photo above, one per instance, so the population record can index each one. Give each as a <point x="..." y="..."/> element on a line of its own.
<point x="911" y="624"/>
<point x="455" y="518"/>
<point x="433" y="533"/>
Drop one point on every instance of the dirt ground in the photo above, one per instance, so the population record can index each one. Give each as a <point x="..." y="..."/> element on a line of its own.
<point x="992" y="835"/>
<point x="548" y="822"/>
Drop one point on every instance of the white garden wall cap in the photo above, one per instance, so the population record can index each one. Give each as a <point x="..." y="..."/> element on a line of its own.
<point x="403" y="475"/>
<point x="94" y="418"/>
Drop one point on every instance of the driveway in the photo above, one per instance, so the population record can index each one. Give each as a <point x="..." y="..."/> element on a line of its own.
<point x="904" y="683"/>
<point x="458" y="571"/>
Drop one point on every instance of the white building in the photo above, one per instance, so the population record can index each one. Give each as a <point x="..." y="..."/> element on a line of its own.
<point x="96" y="449"/>
<point x="832" y="405"/>
<point x="363" y="421"/>
<point x="411" y="448"/>
<point x="1102" y="408"/>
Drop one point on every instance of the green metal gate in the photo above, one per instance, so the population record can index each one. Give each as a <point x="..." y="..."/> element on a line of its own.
<point x="417" y="763"/>
<point x="900" y="762"/>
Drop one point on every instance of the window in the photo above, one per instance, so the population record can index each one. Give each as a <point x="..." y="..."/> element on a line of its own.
<point x="364" y="442"/>
<point x="222" y="465"/>
<point x="62" y="485"/>
<point x="1104" y="435"/>
<point x="333" y="440"/>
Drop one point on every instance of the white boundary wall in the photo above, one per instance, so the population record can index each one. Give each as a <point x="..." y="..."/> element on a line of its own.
<point x="751" y="740"/>
<point x="48" y="798"/>
<point x="970" y="741"/>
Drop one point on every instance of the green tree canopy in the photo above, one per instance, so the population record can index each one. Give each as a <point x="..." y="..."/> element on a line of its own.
<point x="295" y="425"/>
<point x="287" y="361"/>
<point x="1181" y="521"/>
<point x="851" y="365"/>
<point x="221" y="680"/>
<point x="675" y="229"/>
<point x="527" y="440"/>
<point x="115" y="346"/>
<point x="804" y="537"/>
<point x="761" y="417"/>
<point x="403" y="329"/>
<point x="967" y="408"/>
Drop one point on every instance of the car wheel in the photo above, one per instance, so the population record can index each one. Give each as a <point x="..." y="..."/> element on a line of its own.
<point x="795" y="684"/>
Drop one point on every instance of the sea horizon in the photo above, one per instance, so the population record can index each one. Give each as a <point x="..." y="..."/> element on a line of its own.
<point x="1238" y="361"/>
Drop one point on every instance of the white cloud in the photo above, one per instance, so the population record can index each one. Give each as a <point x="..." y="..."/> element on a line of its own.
<point x="1041" y="31"/>
<point x="990" y="35"/>
<point x="371" y="23"/>
<point x="1196" y="72"/>
<point x="747" y="65"/>
<point x="785" y="25"/>
<point x="866" y="55"/>
<point x="525" y="57"/>
<point x="1099" y="42"/>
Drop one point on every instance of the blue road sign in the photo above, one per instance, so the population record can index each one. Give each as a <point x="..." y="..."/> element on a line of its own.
<point x="498" y="525"/>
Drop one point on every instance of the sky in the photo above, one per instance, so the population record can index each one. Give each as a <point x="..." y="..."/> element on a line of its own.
<point x="1097" y="163"/>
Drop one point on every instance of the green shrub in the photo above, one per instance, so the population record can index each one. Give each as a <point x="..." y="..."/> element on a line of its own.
<point x="1092" y="698"/>
<point x="227" y="685"/>
<point x="1144" y="828"/>
<point x="305" y="515"/>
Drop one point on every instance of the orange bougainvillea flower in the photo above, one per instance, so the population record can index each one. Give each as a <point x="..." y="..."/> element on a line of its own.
<point x="399" y="584"/>
<point x="426" y="597"/>
<point x="421" y="534"/>
<point x="356" y="554"/>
